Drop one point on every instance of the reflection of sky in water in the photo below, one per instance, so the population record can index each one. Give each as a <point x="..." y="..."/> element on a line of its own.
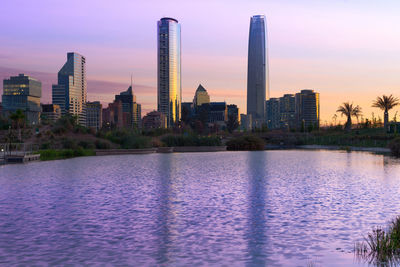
<point x="277" y="208"/>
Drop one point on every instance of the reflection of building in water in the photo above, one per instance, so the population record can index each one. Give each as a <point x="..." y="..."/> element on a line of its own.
<point x="257" y="225"/>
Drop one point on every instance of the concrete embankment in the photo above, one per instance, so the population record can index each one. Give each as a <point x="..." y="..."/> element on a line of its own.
<point x="383" y="150"/>
<point x="180" y="149"/>
<point x="104" y="152"/>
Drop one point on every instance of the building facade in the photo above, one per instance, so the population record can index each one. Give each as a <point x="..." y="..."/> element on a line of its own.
<point x="307" y="109"/>
<point x="131" y="109"/>
<point x="94" y="116"/>
<point x="154" y="120"/>
<point x="169" y="91"/>
<point x="70" y="92"/>
<point x="257" y="70"/>
<point x="287" y="108"/>
<point x="201" y="96"/>
<point x="273" y="113"/>
<point x="22" y="93"/>
<point x="50" y="112"/>
<point x="113" y="115"/>
<point x="233" y="111"/>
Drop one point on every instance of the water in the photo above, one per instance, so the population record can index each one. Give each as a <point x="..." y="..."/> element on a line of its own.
<point x="275" y="208"/>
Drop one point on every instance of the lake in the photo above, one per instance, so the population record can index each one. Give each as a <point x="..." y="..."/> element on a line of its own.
<point x="267" y="208"/>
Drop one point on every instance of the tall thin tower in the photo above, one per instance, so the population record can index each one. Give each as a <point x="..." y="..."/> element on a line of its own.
<point x="257" y="70"/>
<point x="169" y="92"/>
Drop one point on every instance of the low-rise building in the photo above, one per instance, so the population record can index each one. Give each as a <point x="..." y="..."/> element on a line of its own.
<point x="154" y="120"/>
<point x="50" y="112"/>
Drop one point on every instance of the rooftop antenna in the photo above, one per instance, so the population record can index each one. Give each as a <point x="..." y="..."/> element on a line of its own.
<point x="131" y="82"/>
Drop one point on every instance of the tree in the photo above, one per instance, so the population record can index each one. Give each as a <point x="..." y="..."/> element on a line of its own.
<point x="18" y="119"/>
<point x="385" y="103"/>
<point x="232" y="123"/>
<point x="349" y="110"/>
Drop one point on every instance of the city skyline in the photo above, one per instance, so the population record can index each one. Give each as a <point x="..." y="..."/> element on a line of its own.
<point x="351" y="59"/>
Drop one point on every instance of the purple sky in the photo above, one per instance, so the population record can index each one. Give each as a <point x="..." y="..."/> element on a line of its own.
<point x="347" y="50"/>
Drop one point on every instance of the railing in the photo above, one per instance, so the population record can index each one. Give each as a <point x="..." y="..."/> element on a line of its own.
<point x="17" y="149"/>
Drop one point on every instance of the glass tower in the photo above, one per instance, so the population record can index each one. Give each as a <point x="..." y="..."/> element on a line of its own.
<point x="169" y="92"/>
<point x="257" y="70"/>
<point x="70" y="92"/>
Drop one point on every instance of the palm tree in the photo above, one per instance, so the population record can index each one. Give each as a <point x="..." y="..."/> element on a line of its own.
<point x="349" y="110"/>
<point x="18" y="119"/>
<point x="386" y="103"/>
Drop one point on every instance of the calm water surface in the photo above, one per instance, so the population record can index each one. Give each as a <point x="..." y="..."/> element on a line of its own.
<point x="275" y="208"/>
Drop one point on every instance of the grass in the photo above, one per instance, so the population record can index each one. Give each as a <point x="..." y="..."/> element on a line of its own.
<point x="51" y="154"/>
<point x="381" y="247"/>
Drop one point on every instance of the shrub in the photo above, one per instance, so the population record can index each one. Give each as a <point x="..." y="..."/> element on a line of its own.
<point x="249" y="142"/>
<point x="68" y="143"/>
<point x="102" y="145"/>
<point x="191" y="140"/>
<point x="394" y="146"/>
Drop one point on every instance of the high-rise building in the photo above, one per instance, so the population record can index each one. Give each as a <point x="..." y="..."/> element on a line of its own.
<point x="201" y="96"/>
<point x="233" y="110"/>
<point x="131" y="109"/>
<point x="169" y="95"/>
<point x="287" y="111"/>
<point x="22" y="92"/>
<point x="50" y="112"/>
<point x="70" y="92"/>
<point x="113" y="115"/>
<point x="94" y="115"/>
<point x="257" y="70"/>
<point x="273" y="114"/>
<point x="307" y="109"/>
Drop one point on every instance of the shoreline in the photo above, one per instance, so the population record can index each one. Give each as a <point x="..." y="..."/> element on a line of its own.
<point x="200" y="149"/>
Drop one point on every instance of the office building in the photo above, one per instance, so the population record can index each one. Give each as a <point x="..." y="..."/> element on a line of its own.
<point x="22" y="93"/>
<point x="233" y="111"/>
<point x="113" y="115"/>
<point x="273" y="113"/>
<point x="154" y="120"/>
<point x="50" y="112"/>
<point x="94" y="118"/>
<point x="131" y="109"/>
<point x="70" y="91"/>
<point x="307" y="109"/>
<point x="169" y="91"/>
<point x="201" y="96"/>
<point x="287" y="112"/>
<point x="257" y="70"/>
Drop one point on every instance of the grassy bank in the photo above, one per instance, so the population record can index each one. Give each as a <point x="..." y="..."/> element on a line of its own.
<point x="52" y="154"/>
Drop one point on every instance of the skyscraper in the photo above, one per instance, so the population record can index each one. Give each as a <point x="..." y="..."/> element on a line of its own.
<point x="307" y="109"/>
<point x="169" y="95"/>
<point x="257" y="70"/>
<point x="70" y="92"/>
<point x="201" y="96"/>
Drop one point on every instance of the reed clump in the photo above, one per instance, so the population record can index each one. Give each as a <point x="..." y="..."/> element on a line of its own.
<point x="381" y="247"/>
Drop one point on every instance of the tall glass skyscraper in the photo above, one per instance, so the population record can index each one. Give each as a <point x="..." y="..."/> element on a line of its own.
<point x="257" y="70"/>
<point x="70" y="92"/>
<point x="169" y="95"/>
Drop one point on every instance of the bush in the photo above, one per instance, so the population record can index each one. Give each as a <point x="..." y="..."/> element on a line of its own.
<point x="128" y="139"/>
<point x="68" y="143"/>
<point x="249" y="142"/>
<point x="64" y="154"/>
<point x="191" y="140"/>
<point x="394" y="146"/>
<point x="102" y="145"/>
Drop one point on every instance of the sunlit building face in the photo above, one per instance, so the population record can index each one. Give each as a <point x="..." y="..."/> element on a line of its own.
<point x="169" y="95"/>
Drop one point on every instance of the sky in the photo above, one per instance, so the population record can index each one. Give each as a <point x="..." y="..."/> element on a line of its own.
<point x="347" y="50"/>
